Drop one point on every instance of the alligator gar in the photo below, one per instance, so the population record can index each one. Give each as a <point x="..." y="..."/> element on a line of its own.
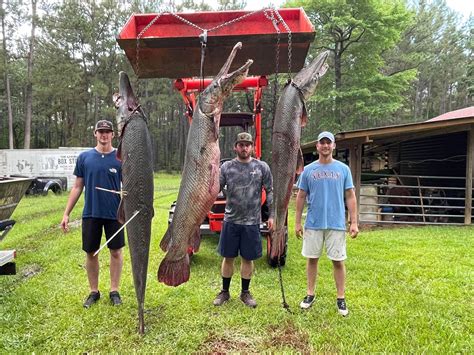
<point x="287" y="159"/>
<point x="200" y="177"/>
<point x="135" y="151"/>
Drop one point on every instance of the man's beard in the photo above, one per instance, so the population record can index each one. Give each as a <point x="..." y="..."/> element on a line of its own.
<point x="243" y="155"/>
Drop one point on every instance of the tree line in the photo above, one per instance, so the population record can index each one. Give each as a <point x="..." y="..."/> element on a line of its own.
<point x="391" y="62"/>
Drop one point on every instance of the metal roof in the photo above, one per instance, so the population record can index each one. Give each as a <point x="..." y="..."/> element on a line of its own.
<point x="452" y="121"/>
<point x="464" y="112"/>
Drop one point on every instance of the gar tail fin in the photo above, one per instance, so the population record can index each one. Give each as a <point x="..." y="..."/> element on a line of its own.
<point x="174" y="272"/>
<point x="278" y="243"/>
<point x="141" y="318"/>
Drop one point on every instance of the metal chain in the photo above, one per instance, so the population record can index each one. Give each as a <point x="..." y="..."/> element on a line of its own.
<point x="237" y="19"/>
<point x="274" y="21"/>
<point x="288" y="30"/>
<point x="270" y="16"/>
<point x="284" y="304"/>
<point x="137" y="51"/>
<point x="215" y="27"/>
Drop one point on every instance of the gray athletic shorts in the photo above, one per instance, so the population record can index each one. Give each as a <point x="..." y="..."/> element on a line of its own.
<point x="334" y="240"/>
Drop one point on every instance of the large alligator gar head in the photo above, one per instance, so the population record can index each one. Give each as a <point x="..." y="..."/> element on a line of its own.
<point x="125" y="101"/>
<point x="307" y="79"/>
<point x="212" y="98"/>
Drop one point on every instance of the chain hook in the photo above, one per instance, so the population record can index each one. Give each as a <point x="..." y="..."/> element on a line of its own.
<point x="203" y="40"/>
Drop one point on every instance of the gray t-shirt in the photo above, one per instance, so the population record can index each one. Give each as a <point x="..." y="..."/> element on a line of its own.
<point x="242" y="185"/>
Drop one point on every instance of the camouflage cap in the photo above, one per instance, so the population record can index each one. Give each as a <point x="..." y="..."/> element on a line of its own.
<point x="104" y="125"/>
<point x="244" y="137"/>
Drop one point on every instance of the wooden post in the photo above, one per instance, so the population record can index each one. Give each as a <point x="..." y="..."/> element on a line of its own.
<point x="421" y="199"/>
<point x="469" y="167"/>
<point x="355" y="164"/>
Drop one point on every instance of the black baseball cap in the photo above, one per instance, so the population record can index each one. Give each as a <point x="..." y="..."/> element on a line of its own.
<point x="104" y="125"/>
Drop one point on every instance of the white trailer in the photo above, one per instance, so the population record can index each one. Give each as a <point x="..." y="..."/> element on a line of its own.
<point x="40" y="162"/>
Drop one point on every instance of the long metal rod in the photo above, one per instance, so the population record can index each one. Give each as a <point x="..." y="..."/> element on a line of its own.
<point x="421" y="199"/>
<point x="412" y="222"/>
<point x="117" y="232"/>
<point x="121" y="192"/>
<point x="415" y="176"/>
<point x="410" y="214"/>
<point x="426" y="206"/>
<point x="415" y="187"/>
<point x="409" y="197"/>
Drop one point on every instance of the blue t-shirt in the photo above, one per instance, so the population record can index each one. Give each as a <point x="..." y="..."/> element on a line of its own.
<point x="99" y="170"/>
<point x="325" y="186"/>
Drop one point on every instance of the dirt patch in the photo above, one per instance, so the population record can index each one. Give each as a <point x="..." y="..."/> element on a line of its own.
<point x="287" y="335"/>
<point x="30" y="271"/>
<point x="222" y="344"/>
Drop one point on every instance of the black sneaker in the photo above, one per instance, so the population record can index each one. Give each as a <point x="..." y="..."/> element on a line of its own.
<point x="247" y="299"/>
<point x="115" y="298"/>
<point x="91" y="299"/>
<point x="342" y="307"/>
<point x="307" y="302"/>
<point x="221" y="298"/>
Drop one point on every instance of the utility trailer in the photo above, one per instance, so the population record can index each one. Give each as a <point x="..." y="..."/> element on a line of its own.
<point x="12" y="190"/>
<point x="42" y="185"/>
<point x="189" y="47"/>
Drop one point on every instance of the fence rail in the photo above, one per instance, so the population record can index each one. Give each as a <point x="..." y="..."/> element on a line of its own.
<point x="412" y="199"/>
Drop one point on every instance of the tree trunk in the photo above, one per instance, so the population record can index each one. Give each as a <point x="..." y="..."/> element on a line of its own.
<point x="7" y="81"/>
<point x="29" y="85"/>
<point x="338" y="80"/>
<point x="10" y="114"/>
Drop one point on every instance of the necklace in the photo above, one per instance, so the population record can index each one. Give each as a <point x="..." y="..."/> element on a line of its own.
<point x="102" y="154"/>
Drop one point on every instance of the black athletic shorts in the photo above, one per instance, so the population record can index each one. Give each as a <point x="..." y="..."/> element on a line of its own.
<point x="92" y="234"/>
<point x="239" y="237"/>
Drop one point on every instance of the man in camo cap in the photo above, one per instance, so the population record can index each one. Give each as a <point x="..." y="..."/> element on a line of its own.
<point x="242" y="180"/>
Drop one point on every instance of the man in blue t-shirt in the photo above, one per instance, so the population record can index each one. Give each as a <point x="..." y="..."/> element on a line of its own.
<point x="99" y="167"/>
<point x="323" y="185"/>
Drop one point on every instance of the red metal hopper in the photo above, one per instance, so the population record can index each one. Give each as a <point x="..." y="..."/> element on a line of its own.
<point x="171" y="48"/>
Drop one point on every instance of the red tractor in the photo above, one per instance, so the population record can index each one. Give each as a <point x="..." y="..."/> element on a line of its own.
<point x="188" y="88"/>
<point x="187" y="45"/>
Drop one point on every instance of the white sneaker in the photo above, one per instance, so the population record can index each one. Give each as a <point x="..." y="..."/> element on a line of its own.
<point x="342" y="307"/>
<point x="307" y="302"/>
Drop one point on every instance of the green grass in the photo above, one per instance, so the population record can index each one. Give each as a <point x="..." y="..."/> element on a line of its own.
<point x="408" y="290"/>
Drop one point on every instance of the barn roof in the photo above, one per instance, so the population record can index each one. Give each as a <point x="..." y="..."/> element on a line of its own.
<point x="464" y="112"/>
<point x="453" y="121"/>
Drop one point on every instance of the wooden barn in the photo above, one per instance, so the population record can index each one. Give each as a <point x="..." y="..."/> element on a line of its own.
<point x="417" y="173"/>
